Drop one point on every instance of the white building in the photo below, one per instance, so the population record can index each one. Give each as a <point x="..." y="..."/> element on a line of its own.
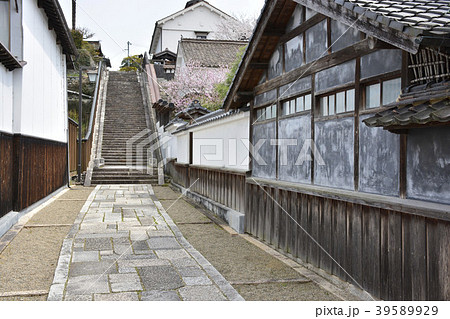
<point x="219" y="139"/>
<point x="198" y="20"/>
<point x="35" y="45"/>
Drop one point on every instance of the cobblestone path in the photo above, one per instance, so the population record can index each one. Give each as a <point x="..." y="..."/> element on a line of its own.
<point x="124" y="246"/>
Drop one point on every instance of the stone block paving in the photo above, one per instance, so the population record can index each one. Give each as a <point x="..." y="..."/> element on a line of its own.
<point x="124" y="247"/>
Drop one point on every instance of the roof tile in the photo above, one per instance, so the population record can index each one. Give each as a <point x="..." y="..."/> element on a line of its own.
<point x="211" y="53"/>
<point x="433" y="16"/>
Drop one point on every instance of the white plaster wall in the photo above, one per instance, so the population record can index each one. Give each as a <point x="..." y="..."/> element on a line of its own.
<point x="6" y="99"/>
<point x="43" y="93"/>
<point x="182" y="154"/>
<point x="223" y="143"/>
<point x="200" y="19"/>
<point x="171" y="147"/>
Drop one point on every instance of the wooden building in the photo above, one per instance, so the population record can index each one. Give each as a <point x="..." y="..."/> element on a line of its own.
<point x="35" y="48"/>
<point x="369" y="201"/>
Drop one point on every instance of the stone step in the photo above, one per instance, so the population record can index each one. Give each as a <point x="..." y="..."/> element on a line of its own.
<point x="124" y="119"/>
<point x="121" y="182"/>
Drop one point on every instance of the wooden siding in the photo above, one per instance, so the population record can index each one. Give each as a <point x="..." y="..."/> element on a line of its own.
<point x="86" y="149"/>
<point x="223" y="186"/>
<point x="40" y="168"/>
<point x="73" y="147"/>
<point x="6" y="178"/>
<point x="391" y="254"/>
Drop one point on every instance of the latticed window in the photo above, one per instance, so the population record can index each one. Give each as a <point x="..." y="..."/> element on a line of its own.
<point x="430" y="65"/>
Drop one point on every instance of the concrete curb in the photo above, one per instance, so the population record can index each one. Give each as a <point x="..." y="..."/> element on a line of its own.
<point x="56" y="292"/>
<point x="235" y="219"/>
<point x="212" y="272"/>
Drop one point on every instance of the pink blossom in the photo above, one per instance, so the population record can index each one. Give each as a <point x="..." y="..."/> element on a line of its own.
<point x="195" y="82"/>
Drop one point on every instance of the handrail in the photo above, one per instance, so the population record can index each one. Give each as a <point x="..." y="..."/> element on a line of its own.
<point x="94" y="102"/>
<point x="149" y="90"/>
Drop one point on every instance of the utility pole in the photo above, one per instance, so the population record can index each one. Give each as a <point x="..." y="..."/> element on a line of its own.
<point x="80" y="123"/>
<point x="128" y="44"/>
<point x="74" y="14"/>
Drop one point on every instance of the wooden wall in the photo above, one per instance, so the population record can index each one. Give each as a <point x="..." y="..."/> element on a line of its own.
<point x="30" y="169"/>
<point x="6" y="167"/>
<point x="73" y="147"/>
<point x="223" y="186"/>
<point x="393" y="255"/>
<point x="40" y="168"/>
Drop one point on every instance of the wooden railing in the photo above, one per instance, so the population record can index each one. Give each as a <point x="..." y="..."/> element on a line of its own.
<point x="221" y="185"/>
<point x="73" y="131"/>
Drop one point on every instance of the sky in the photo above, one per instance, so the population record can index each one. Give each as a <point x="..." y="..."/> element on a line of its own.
<point x="116" y="22"/>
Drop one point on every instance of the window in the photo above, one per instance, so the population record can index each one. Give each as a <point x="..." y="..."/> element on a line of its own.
<point x="4" y="23"/>
<point x="296" y="105"/>
<point x="382" y="93"/>
<point x="337" y="103"/>
<point x="266" y="113"/>
<point x="201" y="35"/>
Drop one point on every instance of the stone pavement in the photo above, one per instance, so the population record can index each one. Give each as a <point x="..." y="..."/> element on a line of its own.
<point x="124" y="246"/>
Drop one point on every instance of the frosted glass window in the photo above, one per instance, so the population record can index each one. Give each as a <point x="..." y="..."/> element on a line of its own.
<point x="373" y="96"/>
<point x="391" y="90"/>
<point x="331" y="109"/>
<point x="285" y="108"/>
<point x="351" y="100"/>
<point x="274" y="111"/>
<point x="308" y="102"/>
<point x="300" y="106"/>
<point x="340" y="102"/>
<point x="292" y="103"/>
<point x="262" y="116"/>
<point x="324" y="105"/>
<point x="4" y="23"/>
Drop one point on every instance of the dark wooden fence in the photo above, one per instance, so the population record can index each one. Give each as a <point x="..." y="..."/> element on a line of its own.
<point x="40" y="168"/>
<point x="73" y="138"/>
<point x="30" y="169"/>
<point x="390" y="252"/>
<point x="6" y="177"/>
<point x="223" y="186"/>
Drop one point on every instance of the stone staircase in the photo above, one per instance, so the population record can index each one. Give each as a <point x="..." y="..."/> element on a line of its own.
<point x="124" y="119"/>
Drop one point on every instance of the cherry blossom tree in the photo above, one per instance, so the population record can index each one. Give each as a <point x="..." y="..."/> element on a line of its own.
<point x="194" y="82"/>
<point x="238" y="28"/>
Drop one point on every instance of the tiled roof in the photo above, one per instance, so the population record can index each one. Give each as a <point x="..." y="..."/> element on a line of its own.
<point x="195" y="107"/>
<point x="429" y="15"/>
<point x="211" y="53"/>
<point x="212" y="117"/>
<point x="57" y="21"/>
<point x="426" y="104"/>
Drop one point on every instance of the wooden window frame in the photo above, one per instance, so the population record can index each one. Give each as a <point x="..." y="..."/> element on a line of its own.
<point x="321" y="117"/>
<point x="294" y="98"/>
<point x="265" y="106"/>
<point x="380" y="80"/>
